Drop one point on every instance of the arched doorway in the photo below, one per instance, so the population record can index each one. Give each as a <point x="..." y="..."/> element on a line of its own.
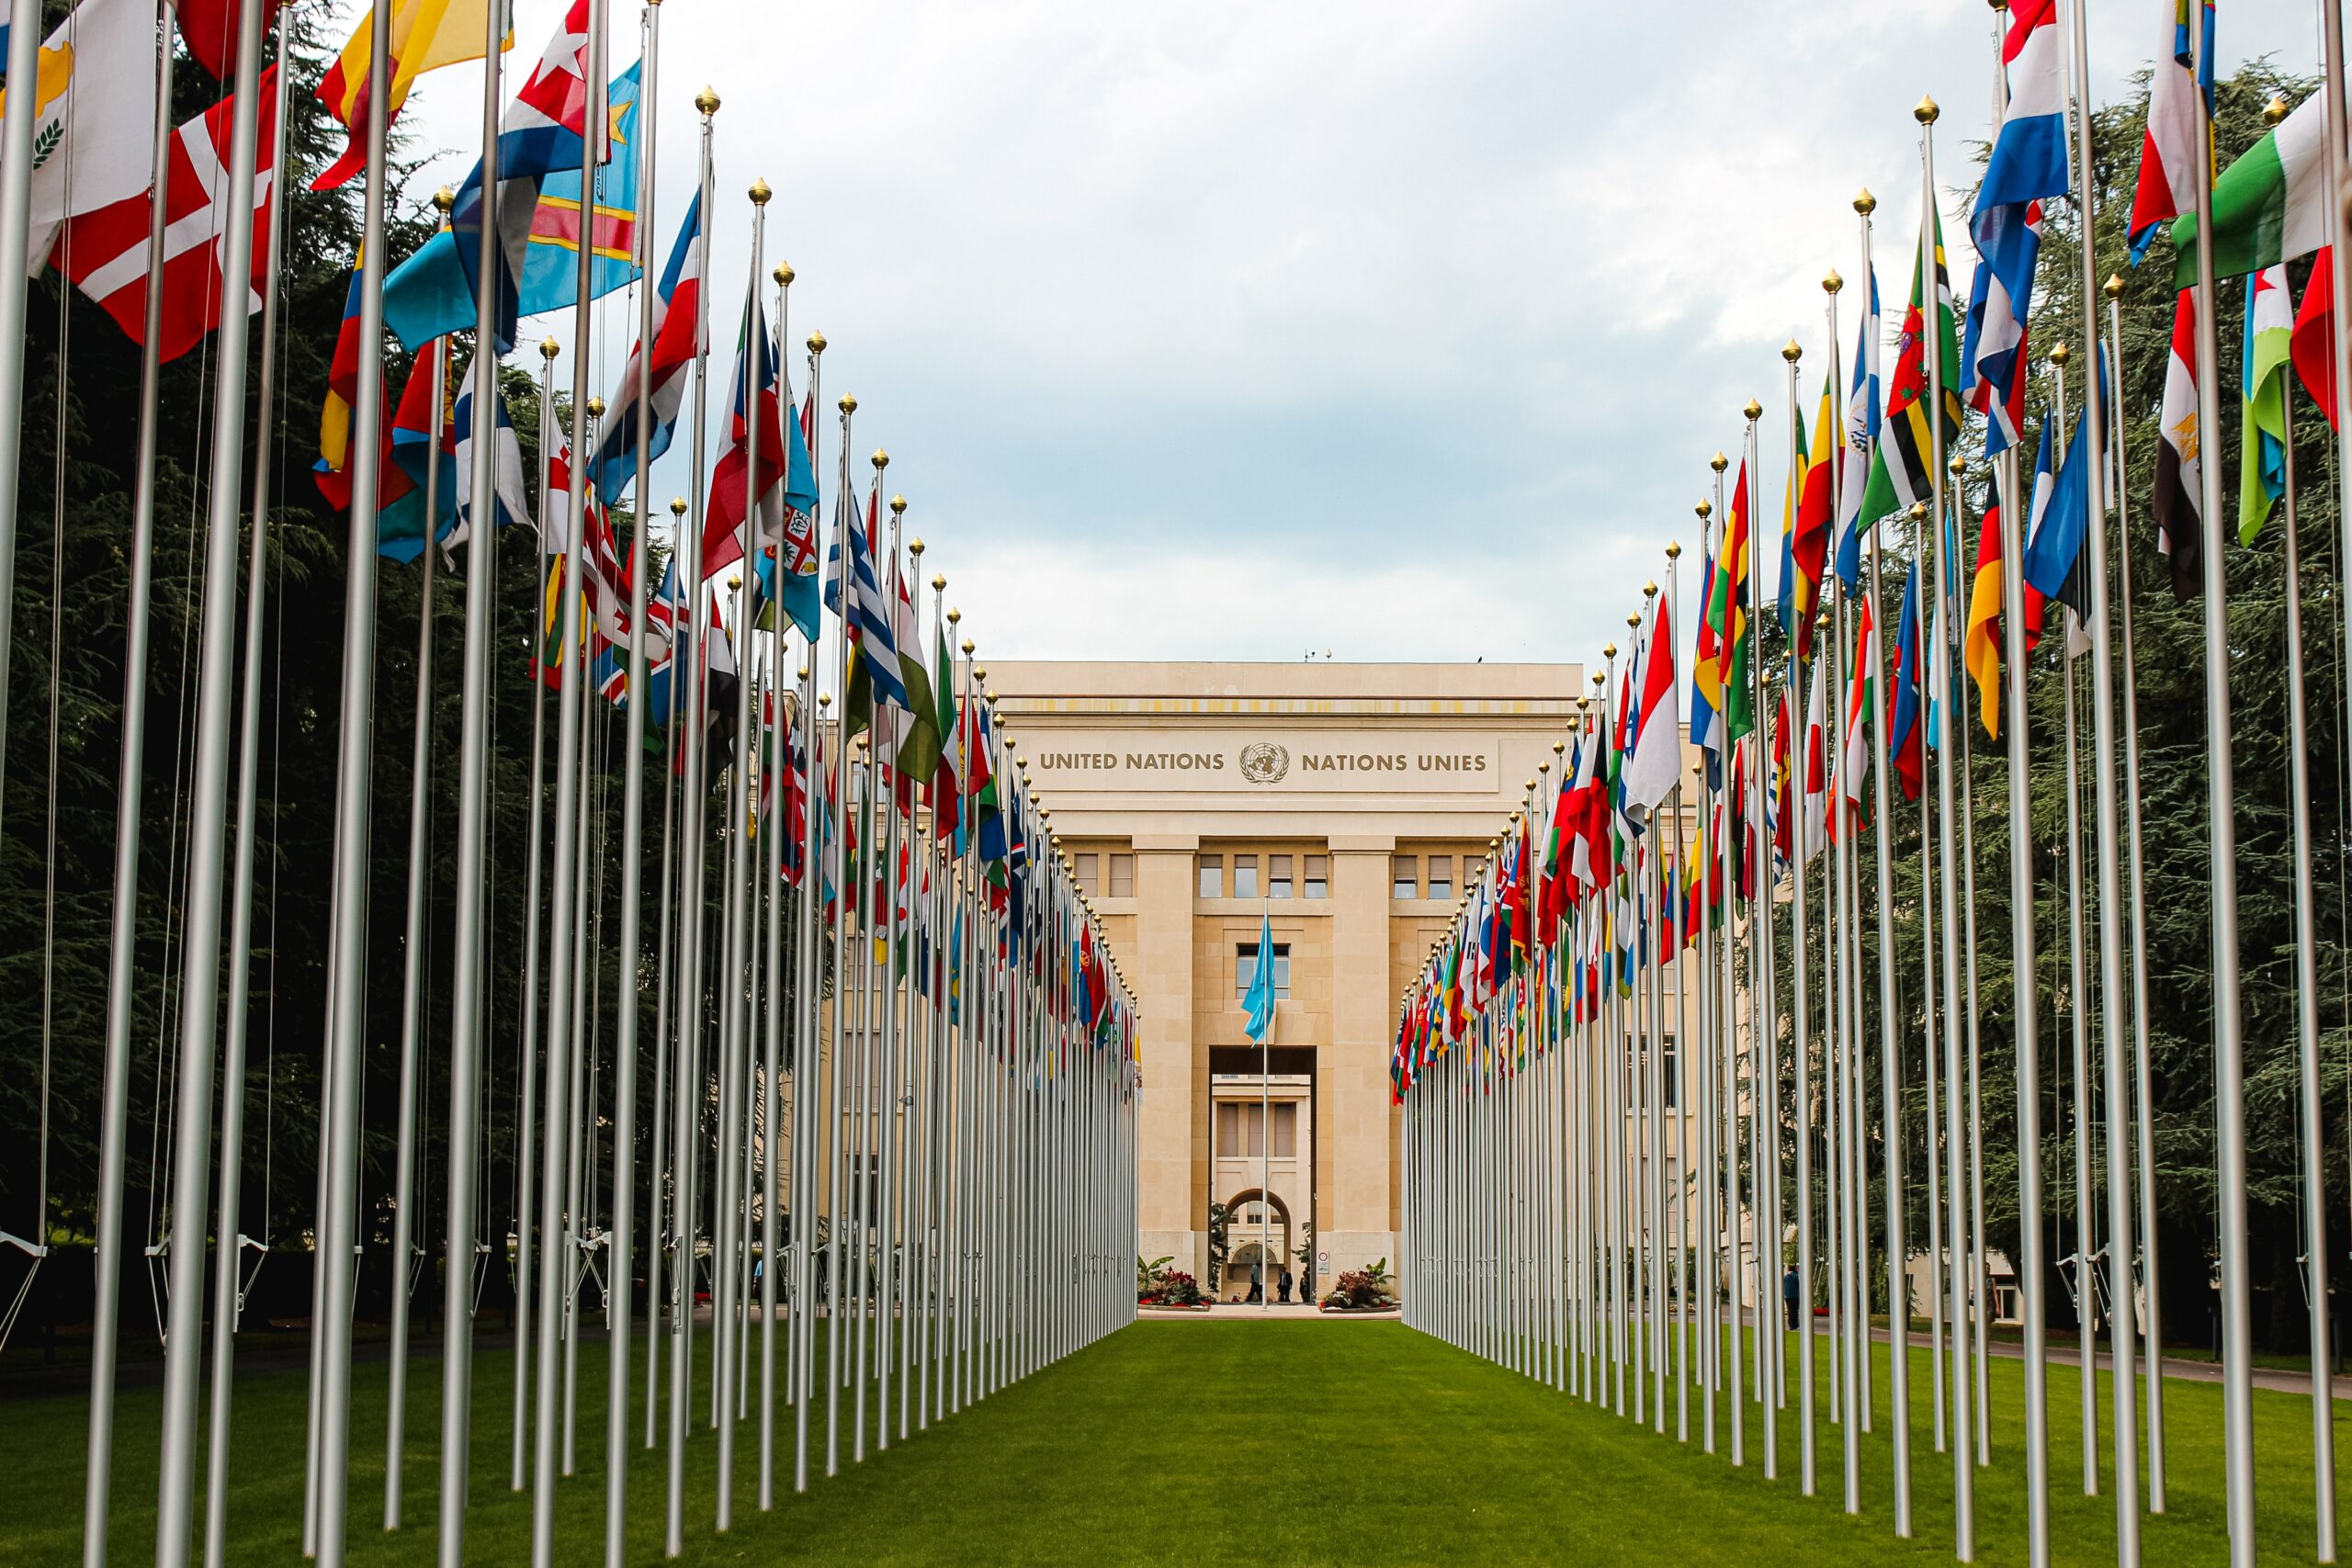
<point x="1258" y="1236"/>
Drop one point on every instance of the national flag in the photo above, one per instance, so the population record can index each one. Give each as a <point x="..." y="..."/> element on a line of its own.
<point x="535" y="224"/>
<point x="1817" y="767"/>
<point x="1862" y="405"/>
<point x="2169" y="147"/>
<point x="1655" y="766"/>
<point x="1727" y="617"/>
<point x="1782" y="814"/>
<point x="510" y="492"/>
<point x="1809" y="549"/>
<point x="2056" y="564"/>
<point x="93" y="120"/>
<point x="786" y="481"/>
<point x="911" y="750"/>
<point x="2269" y="205"/>
<point x="208" y="28"/>
<point x="943" y="791"/>
<point x="676" y="344"/>
<point x="852" y="592"/>
<point x="2314" y="344"/>
<point x="1899" y="475"/>
<point x="1791" y="499"/>
<point x="2262" y="389"/>
<point x="425" y="36"/>
<point x="1706" y="669"/>
<point x="1854" y="767"/>
<point x="423" y="439"/>
<point x="105" y="252"/>
<point x="333" y="471"/>
<point x="1981" y="651"/>
<point x="1993" y="354"/>
<point x="2179" y="496"/>
<point x="1904" y="748"/>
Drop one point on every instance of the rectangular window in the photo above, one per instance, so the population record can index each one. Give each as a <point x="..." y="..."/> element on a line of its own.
<point x="1405" y="877"/>
<point x="1088" y="864"/>
<point x="1245" y="876"/>
<point x="1667" y="1059"/>
<point x="1278" y="876"/>
<point x="1249" y="1131"/>
<point x="1441" y="877"/>
<point x="1319" y="877"/>
<point x="1211" y="876"/>
<point x="1285" y="1131"/>
<point x="1123" y="875"/>
<point x="1228" y="1131"/>
<point x="1245" y="968"/>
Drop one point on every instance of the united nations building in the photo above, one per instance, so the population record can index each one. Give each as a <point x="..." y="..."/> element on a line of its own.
<point x="1346" y="803"/>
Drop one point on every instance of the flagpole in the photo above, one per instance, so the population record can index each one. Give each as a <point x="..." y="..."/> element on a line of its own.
<point x="526" y="1178"/>
<point x="1980" y="1386"/>
<point x="848" y="900"/>
<point x="809" y="1052"/>
<point x="2142" y="1089"/>
<point x="228" y="1280"/>
<point x="622" y="1236"/>
<point x="207" y="830"/>
<point x="1681" y="1192"/>
<point x="1798" y="762"/>
<point x="555" y="1146"/>
<point x="2229" y="1062"/>
<point x="2314" y="1127"/>
<point x="15" y="171"/>
<point x="1890" y="1064"/>
<point x="412" y="955"/>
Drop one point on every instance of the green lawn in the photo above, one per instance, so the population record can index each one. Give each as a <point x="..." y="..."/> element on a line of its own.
<point x="1179" y="1442"/>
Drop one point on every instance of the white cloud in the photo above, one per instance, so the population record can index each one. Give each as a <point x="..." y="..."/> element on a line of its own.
<point x="1232" y="330"/>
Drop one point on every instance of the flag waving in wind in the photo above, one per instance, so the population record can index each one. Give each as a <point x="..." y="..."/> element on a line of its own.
<point x="1258" y="1003"/>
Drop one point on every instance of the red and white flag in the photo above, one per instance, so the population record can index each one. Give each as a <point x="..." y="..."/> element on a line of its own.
<point x="1854" y="767"/>
<point x="2168" y="148"/>
<point x="1655" y="765"/>
<point x="2178" y="502"/>
<point x="209" y="30"/>
<point x="104" y="250"/>
<point x="2313" y="347"/>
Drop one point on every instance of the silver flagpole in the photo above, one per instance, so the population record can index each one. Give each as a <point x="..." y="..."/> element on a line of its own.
<point x="412" y="956"/>
<point x="207" y="828"/>
<point x="2229" y="1045"/>
<point x="346" y="979"/>
<point x="2143" y="1088"/>
<point x="526" y="1178"/>
<point x="228" y="1279"/>
<point x="849" y="899"/>
<point x="1926" y="519"/>
<point x="2314" y="1127"/>
<point x="1798" y="931"/>
<point x="726" y="1302"/>
<point x="2032" y="1268"/>
<point x="1681" y="1232"/>
<point x="778" y="756"/>
<point x="808" y="1049"/>
<point x="1764" y="1062"/>
<point x="2086" y="1233"/>
<point x="468" y="979"/>
<point x="15" y="171"/>
<point x="555" y="1215"/>
<point x="1980" y="1382"/>
<point x="1851" y="1325"/>
<point x="2340" y="418"/>
<point x="2111" y="867"/>
<point x="1959" y="1124"/>
<point x="1898" y="1300"/>
<point x="626" y="1002"/>
<point x="686" y="1109"/>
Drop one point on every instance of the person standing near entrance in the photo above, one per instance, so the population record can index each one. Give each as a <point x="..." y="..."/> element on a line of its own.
<point x="1789" y="1297"/>
<point x="1257" y="1282"/>
<point x="1284" y="1284"/>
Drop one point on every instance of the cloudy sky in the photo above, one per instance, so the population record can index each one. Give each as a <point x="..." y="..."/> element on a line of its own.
<point x="1238" y="331"/>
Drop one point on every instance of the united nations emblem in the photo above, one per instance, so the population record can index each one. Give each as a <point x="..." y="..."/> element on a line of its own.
<point x="1264" y="763"/>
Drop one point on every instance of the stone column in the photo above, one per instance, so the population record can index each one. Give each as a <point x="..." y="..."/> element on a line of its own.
<point x="1356" y="1066"/>
<point x="1172" y="1223"/>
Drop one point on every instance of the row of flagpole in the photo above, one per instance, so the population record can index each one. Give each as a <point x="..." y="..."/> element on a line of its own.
<point x="893" y="1063"/>
<point x="1564" y="1118"/>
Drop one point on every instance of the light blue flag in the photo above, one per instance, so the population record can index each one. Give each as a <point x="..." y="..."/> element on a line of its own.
<point x="1260" y="1001"/>
<point x="537" y="227"/>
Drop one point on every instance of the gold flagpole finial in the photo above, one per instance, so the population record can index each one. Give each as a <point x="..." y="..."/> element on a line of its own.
<point x="1959" y="465"/>
<point x="1719" y="462"/>
<point x="1866" y="203"/>
<point x="848" y="403"/>
<point x="2274" y="110"/>
<point x="784" y="275"/>
<point x="595" y="408"/>
<point x="1792" y="352"/>
<point x="1674" y="549"/>
<point x="1705" y="509"/>
<point x="708" y="101"/>
<point x="881" y="459"/>
<point x="2114" y="290"/>
<point x="677" y="506"/>
<point x="1754" y="411"/>
<point x="1925" y="111"/>
<point x="445" y="198"/>
<point x="938" y="583"/>
<point x="760" y="193"/>
<point x="816" y="343"/>
<point x="1918" y="512"/>
<point x="550" y="348"/>
<point x="1831" y="282"/>
<point x="2060" y="354"/>
<point x="1608" y="650"/>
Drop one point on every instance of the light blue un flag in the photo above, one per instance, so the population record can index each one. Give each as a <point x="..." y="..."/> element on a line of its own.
<point x="1260" y="1001"/>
